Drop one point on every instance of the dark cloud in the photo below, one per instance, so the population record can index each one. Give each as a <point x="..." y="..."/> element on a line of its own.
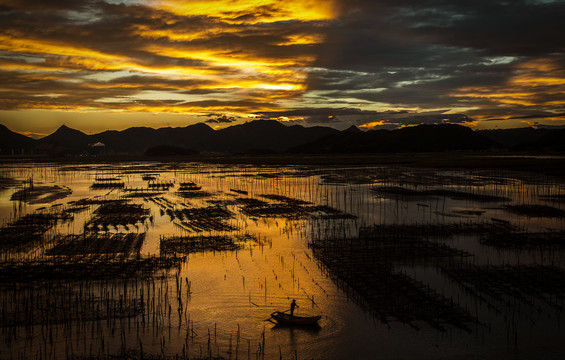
<point x="430" y="119"/>
<point x="402" y="120"/>
<point x="398" y="54"/>
<point x="343" y="117"/>
<point x="335" y="117"/>
<point x="221" y="119"/>
<point x="115" y="29"/>
<point x="157" y="82"/>
<point x="25" y="87"/>
<point x="517" y="27"/>
<point x="528" y="117"/>
<point x="228" y="103"/>
<point x="44" y="5"/>
<point x="327" y="112"/>
<point x="71" y="42"/>
<point x="418" y="53"/>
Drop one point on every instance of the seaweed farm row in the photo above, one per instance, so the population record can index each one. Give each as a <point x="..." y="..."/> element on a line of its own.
<point x="369" y="265"/>
<point x="173" y="260"/>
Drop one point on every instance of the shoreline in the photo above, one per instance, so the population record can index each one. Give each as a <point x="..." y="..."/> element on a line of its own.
<point x="549" y="164"/>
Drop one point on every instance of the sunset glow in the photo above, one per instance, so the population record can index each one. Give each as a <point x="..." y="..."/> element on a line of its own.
<point x="536" y="83"/>
<point x="282" y="179"/>
<point x="264" y="59"/>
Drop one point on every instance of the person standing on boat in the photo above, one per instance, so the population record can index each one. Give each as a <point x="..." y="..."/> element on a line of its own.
<point x="292" y="306"/>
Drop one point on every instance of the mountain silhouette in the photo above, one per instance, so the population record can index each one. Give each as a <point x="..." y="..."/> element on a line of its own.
<point x="511" y="138"/>
<point x="14" y="143"/>
<point x="353" y="129"/>
<point x="260" y="136"/>
<point x="269" y="137"/>
<point x="422" y="138"/>
<point x="552" y="140"/>
<point x="64" y="141"/>
<point x="137" y="140"/>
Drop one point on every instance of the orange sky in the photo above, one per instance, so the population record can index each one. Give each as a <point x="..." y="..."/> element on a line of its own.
<point x="111" y="65"/>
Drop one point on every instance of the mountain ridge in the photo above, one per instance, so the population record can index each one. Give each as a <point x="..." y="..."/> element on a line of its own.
<point x="262" y="135"/>
<point x="422" y="138"/>
<point x="271" y="137"/>
<point x="13" y="143"/>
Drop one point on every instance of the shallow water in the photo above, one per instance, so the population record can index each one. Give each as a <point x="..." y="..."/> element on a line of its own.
<point x="226" y="296"/>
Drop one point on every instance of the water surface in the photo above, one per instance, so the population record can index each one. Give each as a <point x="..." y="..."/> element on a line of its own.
<point x="215" y="302"/>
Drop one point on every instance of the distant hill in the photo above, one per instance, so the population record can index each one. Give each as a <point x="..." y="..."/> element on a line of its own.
<point x="269" y="137"/>
<point x="63" y="141"/>
<point x="137" y="140"/>
<point x="511" y="138"/>
<point x="259" y="134"/>
<point x="14" y="143"/>
<point x="552" y="140"/>
<point x="423" y="138"/>
<point x="266" y="136"/>
<point x="353" y="129"/>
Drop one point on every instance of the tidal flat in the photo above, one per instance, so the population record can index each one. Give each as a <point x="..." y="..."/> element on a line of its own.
<point x="166" y="260"/>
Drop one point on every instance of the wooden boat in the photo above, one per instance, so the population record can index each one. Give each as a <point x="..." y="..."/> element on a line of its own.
<point x="286" y="319"/>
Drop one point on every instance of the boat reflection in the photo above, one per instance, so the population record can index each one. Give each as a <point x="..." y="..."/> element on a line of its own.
<point x="313" y="329"/>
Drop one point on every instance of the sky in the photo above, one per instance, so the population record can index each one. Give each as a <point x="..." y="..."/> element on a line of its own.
<point x="378" y="64"/>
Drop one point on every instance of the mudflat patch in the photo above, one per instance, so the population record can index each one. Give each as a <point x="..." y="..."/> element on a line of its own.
<point x="41" y="194"/>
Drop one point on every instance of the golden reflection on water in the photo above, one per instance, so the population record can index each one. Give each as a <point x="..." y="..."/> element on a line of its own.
<point x="216" y="303"/>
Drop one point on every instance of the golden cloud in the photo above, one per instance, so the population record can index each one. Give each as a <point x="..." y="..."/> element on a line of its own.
<point x="161" y="48"/>
<point x="253" y="11"/>
<point x="538" y="82"/>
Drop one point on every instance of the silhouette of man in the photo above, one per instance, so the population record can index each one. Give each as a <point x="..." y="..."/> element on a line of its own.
<point x="292" y="306"/>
